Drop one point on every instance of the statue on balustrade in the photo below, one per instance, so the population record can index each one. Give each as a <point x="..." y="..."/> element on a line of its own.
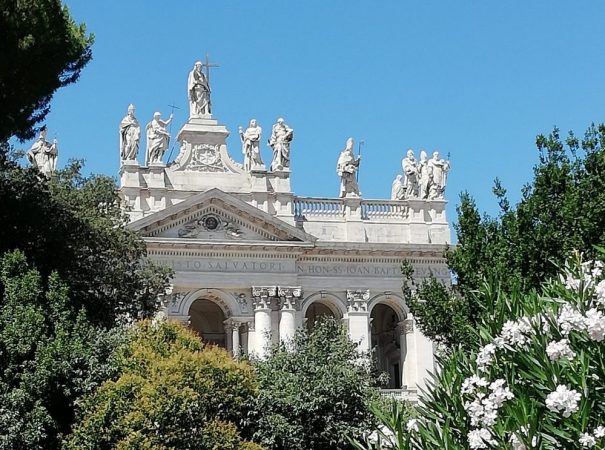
<point x="424" y="176"/>
<point x="397" y="189"/>
<point x="251" y="146"/>
<point x="410" y="171"/>
<point x="347" y="168"/>
<point x="281" y="137"/>
<point x="198" y="89"/>
<point x="439" y="169"/>
<point x="43" y="155"/>
<point x="130" y="135"/>
<point x="157" y="139"/>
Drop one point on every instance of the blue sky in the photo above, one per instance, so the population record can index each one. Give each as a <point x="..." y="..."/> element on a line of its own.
<point x="475" y="79"/>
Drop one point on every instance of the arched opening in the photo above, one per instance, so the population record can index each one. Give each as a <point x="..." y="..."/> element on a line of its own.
<point x="207" y="320"/>
<point x="316" y="311"/>
<point x="386" y="343"/>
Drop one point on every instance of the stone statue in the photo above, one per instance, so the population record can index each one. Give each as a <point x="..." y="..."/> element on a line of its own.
<point x="439" y="169"/>
<point x="397" y="190"/>
<point x="347" y="168"/>
<point x="424" y="176"/>
<point x="410" y="170"/>
<point x="281" y="137"/>
<point x="130" y="135"/>
<point x="157" y="139"/>
<point x="43" y="155"/>
<point x="198" y="89"/>
<point x="251" y="146"/>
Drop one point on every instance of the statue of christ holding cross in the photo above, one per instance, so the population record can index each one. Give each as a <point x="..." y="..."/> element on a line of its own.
<point x="198" y="89"/>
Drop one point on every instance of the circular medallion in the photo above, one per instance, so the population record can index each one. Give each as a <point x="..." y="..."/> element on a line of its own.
<point x="210" y="223"/>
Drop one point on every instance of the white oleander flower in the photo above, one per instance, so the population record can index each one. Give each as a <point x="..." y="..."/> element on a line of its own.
<point x="485" y="356"/>
<point x="471" y="383"/>
<point x="563" y="400"/>
<point x="412" y="425"/>
<point x="599" y="432"/>
<point x="517" y="333"/>
<point x="595" y="324"/>
<point x="560" y="350"/>
<point x="587" y="440"/>
<point x="480" y="438"/>
<point x="569" y="320"/>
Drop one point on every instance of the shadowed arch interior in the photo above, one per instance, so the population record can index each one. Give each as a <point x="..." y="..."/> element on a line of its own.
<point x="386" y="344"/>
<point x="207" y="320"/>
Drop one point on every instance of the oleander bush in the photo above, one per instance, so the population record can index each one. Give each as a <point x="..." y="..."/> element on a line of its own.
<point x="537" y="379"/>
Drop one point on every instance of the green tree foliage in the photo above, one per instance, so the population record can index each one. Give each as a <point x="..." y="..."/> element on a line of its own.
<point x="42" y="50"/>
<point x="171" y="392"/>
<point x="561" y="209"/>
<point x="49" y="355"/>
<point x="314" y="391"/>
<point x="74" y="225"/>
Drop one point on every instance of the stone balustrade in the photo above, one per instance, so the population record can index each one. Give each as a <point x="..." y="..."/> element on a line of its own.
<point x="316" y="207"/>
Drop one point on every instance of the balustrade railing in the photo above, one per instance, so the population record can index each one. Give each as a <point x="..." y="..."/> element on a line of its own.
<point x="383" y="209"/>
<point x="318" y="207"/>
<point x="336" y="207"/>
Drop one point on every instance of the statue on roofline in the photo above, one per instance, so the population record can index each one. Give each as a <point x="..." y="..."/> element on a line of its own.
<point x="281" y="137"/>
<point x="43" y="155"/>
<point x="346" y="168"/>
<point x="130" y="135"/>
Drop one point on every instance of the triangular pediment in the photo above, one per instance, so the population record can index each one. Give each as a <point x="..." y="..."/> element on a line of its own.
<point x="214" y="215"/>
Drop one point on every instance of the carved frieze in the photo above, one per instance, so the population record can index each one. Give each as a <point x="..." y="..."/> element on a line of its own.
<point x="200" y="158"/>
<point x="357" y="300"/>
<point x="210" y="223"/>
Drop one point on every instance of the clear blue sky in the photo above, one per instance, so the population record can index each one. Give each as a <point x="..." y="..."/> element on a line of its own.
<point x="475" y="79"/>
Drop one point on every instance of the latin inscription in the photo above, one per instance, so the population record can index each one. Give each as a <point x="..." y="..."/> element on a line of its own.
<point x="305" y="269"/>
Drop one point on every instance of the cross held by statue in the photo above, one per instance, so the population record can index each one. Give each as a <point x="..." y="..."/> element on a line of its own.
<point x="207" y="65"/>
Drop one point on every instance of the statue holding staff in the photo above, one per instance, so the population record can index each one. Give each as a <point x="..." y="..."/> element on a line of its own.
<point x="130" y="135"/>
<point x="346" y="168"/>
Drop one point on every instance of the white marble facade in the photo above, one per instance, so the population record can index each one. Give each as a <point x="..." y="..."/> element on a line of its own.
<point x="254" y="262"/>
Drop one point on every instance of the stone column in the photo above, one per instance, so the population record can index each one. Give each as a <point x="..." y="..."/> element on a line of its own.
<point x="261" y="298"/>
<point x="359" y="318"/>
<point x="228" y="335"/>
<point x="408" y="353"/>
<point x="235" y="326"/>
<point x="289" y="297"/>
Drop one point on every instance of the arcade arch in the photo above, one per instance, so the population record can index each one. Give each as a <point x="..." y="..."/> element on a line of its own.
<point x="387" y="343"/>
<point x="207" y="319"/>
<point x="320" y="305"/>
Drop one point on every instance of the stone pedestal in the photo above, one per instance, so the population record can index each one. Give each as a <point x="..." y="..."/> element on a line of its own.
<point x="129" y="174"/>
<point x="418" y="217"/>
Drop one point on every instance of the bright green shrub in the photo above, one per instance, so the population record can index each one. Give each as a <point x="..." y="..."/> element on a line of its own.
<point x="173" y="392"/>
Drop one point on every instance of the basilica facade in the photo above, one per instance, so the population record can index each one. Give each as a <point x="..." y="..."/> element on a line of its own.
<point x="254" y="262"/>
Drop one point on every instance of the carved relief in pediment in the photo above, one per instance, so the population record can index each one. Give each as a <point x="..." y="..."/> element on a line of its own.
<point x="213" y="224"/>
